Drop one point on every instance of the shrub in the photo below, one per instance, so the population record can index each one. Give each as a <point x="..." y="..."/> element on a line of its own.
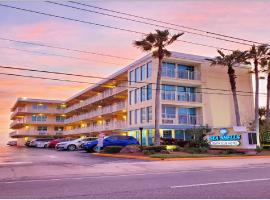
<point x="154" y="148"/>
<point x="148" y="152"/>
<point x="112" y="149"/>
<point x="196" y="149"/>
<point x="178" y="148"/>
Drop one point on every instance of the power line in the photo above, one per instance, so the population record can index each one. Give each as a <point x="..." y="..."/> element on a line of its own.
<point x="147" y="23"/>
<point x="64" y="48"/>
<point x="58" y="55"/>
<point x="65" y="80"/>
<point x="167" y="23"/>
<point x="102" y="25"/>
<point x="89" y="76"/>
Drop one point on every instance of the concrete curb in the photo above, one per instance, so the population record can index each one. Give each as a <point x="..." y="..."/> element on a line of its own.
<point x="175" y="159"/>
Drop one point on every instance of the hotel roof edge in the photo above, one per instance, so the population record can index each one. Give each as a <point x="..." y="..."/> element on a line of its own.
<point x="126" y="68"/>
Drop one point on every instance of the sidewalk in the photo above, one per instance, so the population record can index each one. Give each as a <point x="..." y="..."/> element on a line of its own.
<point x="180" y="159"/>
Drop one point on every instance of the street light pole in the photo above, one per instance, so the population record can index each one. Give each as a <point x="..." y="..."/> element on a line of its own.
<point x="141" y="129"/>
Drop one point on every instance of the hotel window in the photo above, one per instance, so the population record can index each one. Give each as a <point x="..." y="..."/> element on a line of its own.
<point x="132" y="77"/>
<point x="143" y="115"/>
<point x="137" y="95"/>
<point x="180" y="134"/>
<point x="107" y="122"/>
<point x="94" y="124"/>
<point x="150" y="137"/>
<point x="39" y="106"/>
<point x="144" y="73"/>
<point x="186" y="94"/>
<point x="168" y="69"/>
<point x="168" y="92"/>
<point x="187" y="116"/>
<point x="39" y="118"/>
<point x="59" y="118"/>
<point x="131" y="97"/>
<point x="149" y="114"/>
<point x="130" y="118"/>
<point x="185" y="72"/>
<point x="58" y="128"/>
<point x="143" y="93"/>
<point x="149" y="91"/>
<point x="168" y="112"/>
<point x="167" y="134"/>
<point x="42" y="128"/>
<point x="149" y="69"/>
<point x="252" y="139"/>
<point x="136" y="116"/>
<point x="138" y="74"/>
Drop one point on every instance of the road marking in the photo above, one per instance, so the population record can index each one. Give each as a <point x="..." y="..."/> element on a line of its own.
<point x="117" y="175"/>
<point x="219" y="183"/>
<point x="14" y="163"/>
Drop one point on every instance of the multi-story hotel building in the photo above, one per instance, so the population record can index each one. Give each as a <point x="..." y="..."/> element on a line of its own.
<point x="193" y="94"/>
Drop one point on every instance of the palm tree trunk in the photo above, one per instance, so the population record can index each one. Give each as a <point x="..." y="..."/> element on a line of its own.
<point x="257" y="123"/>
<point x="231" y="73"/>
<point x="268" y="98"/>
<point x="157" y="103"/>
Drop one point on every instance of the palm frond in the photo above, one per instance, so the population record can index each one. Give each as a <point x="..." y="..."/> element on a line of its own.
<point x="173" y="38"/>
<point x="143" y="44"/>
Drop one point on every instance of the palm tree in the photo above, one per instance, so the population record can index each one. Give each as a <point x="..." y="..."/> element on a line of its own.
<point x="257" y="54"/>
<point x="231" y="60"/>
<point x="156" y="42"/>
<point x="266" y="69"/>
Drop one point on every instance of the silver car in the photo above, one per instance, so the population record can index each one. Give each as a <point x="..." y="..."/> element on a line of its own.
<point x="73" y="144"/>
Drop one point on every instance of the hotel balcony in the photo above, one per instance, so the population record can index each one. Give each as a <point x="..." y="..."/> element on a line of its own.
<point x="116" y="125"/>
<point x="181" y="96"/>
<point x="18" y="123"/>
<point x="33" y="133"/>
<point x="185" y="77"/>
<point x="99" y="111"/>
<point x="189" y="120"/>
<point x="107" y="93"/>
<point x="30" y="110"/>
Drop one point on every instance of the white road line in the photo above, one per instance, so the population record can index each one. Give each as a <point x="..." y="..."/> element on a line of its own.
<point x="117" y="175"/>
<point x="219" y="183"/>
<point x="14" y="163"/>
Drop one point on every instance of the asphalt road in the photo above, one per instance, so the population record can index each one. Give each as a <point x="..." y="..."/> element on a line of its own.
<point x="230" y="178"/>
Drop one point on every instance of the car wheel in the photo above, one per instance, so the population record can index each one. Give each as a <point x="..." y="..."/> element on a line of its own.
<point x="45" y="146"/>
<point x="95" y="149"/>
<point x="71" y="147"/>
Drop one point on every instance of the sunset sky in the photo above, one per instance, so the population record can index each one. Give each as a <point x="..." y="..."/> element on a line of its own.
<point x="243" y="19"/>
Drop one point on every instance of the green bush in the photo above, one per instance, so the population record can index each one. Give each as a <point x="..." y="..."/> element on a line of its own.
<point x="196" y="150"/>
<point x="178" y="148"/>
<point x="156" y="149"/>
<point x="112" y="149"/>
<point x="148" y="152"/>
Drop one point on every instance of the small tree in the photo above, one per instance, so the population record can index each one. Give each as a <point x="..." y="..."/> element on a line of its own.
<point x="156" y="42"/>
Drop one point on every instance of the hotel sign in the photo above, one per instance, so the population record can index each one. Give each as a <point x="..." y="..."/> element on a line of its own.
<point x="224" y="139"/>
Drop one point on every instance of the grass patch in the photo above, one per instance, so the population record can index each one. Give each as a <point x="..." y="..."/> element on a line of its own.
<point x="158" y="155"/>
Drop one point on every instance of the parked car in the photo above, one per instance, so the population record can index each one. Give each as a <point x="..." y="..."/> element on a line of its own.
<point x="88" y="139"/>
<point x="71" y="145"/>
<point x="27" y="143"/>
<point x="115" y="140"/>
<point x="12" y="143"/>
<point x="39" y="142"/>
<point x="53" y="143"/>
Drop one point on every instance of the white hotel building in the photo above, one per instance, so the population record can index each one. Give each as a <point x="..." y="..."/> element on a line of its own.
<point x="193" y="94"/>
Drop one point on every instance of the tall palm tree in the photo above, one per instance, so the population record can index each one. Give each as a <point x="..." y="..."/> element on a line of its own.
<point x="231" y="60"/>
<point x="156" y="42"/>
<point x="258" y="54"/>
<point x="266" y="69"/>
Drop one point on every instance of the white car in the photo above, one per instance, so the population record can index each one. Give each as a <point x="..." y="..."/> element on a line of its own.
<point x="73" y="144"/>
<point x="42" y="144"/>
<point x="39" y="142"/>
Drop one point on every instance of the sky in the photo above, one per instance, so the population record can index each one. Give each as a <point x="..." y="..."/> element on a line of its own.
<point x="243" y="19"/>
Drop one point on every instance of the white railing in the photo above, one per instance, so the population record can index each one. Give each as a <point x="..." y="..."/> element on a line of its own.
<point x="181" y="119"/>
<point x="38" y="110"/>
<point x="17" y="121"/>
<point x="181" y="96"/>
<point x="102" y="127"/>
<point x="99" y="111"/>
<point x="34" y="132"/>
<point x="107" y="93"/>
<point x="189" y="75"/>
